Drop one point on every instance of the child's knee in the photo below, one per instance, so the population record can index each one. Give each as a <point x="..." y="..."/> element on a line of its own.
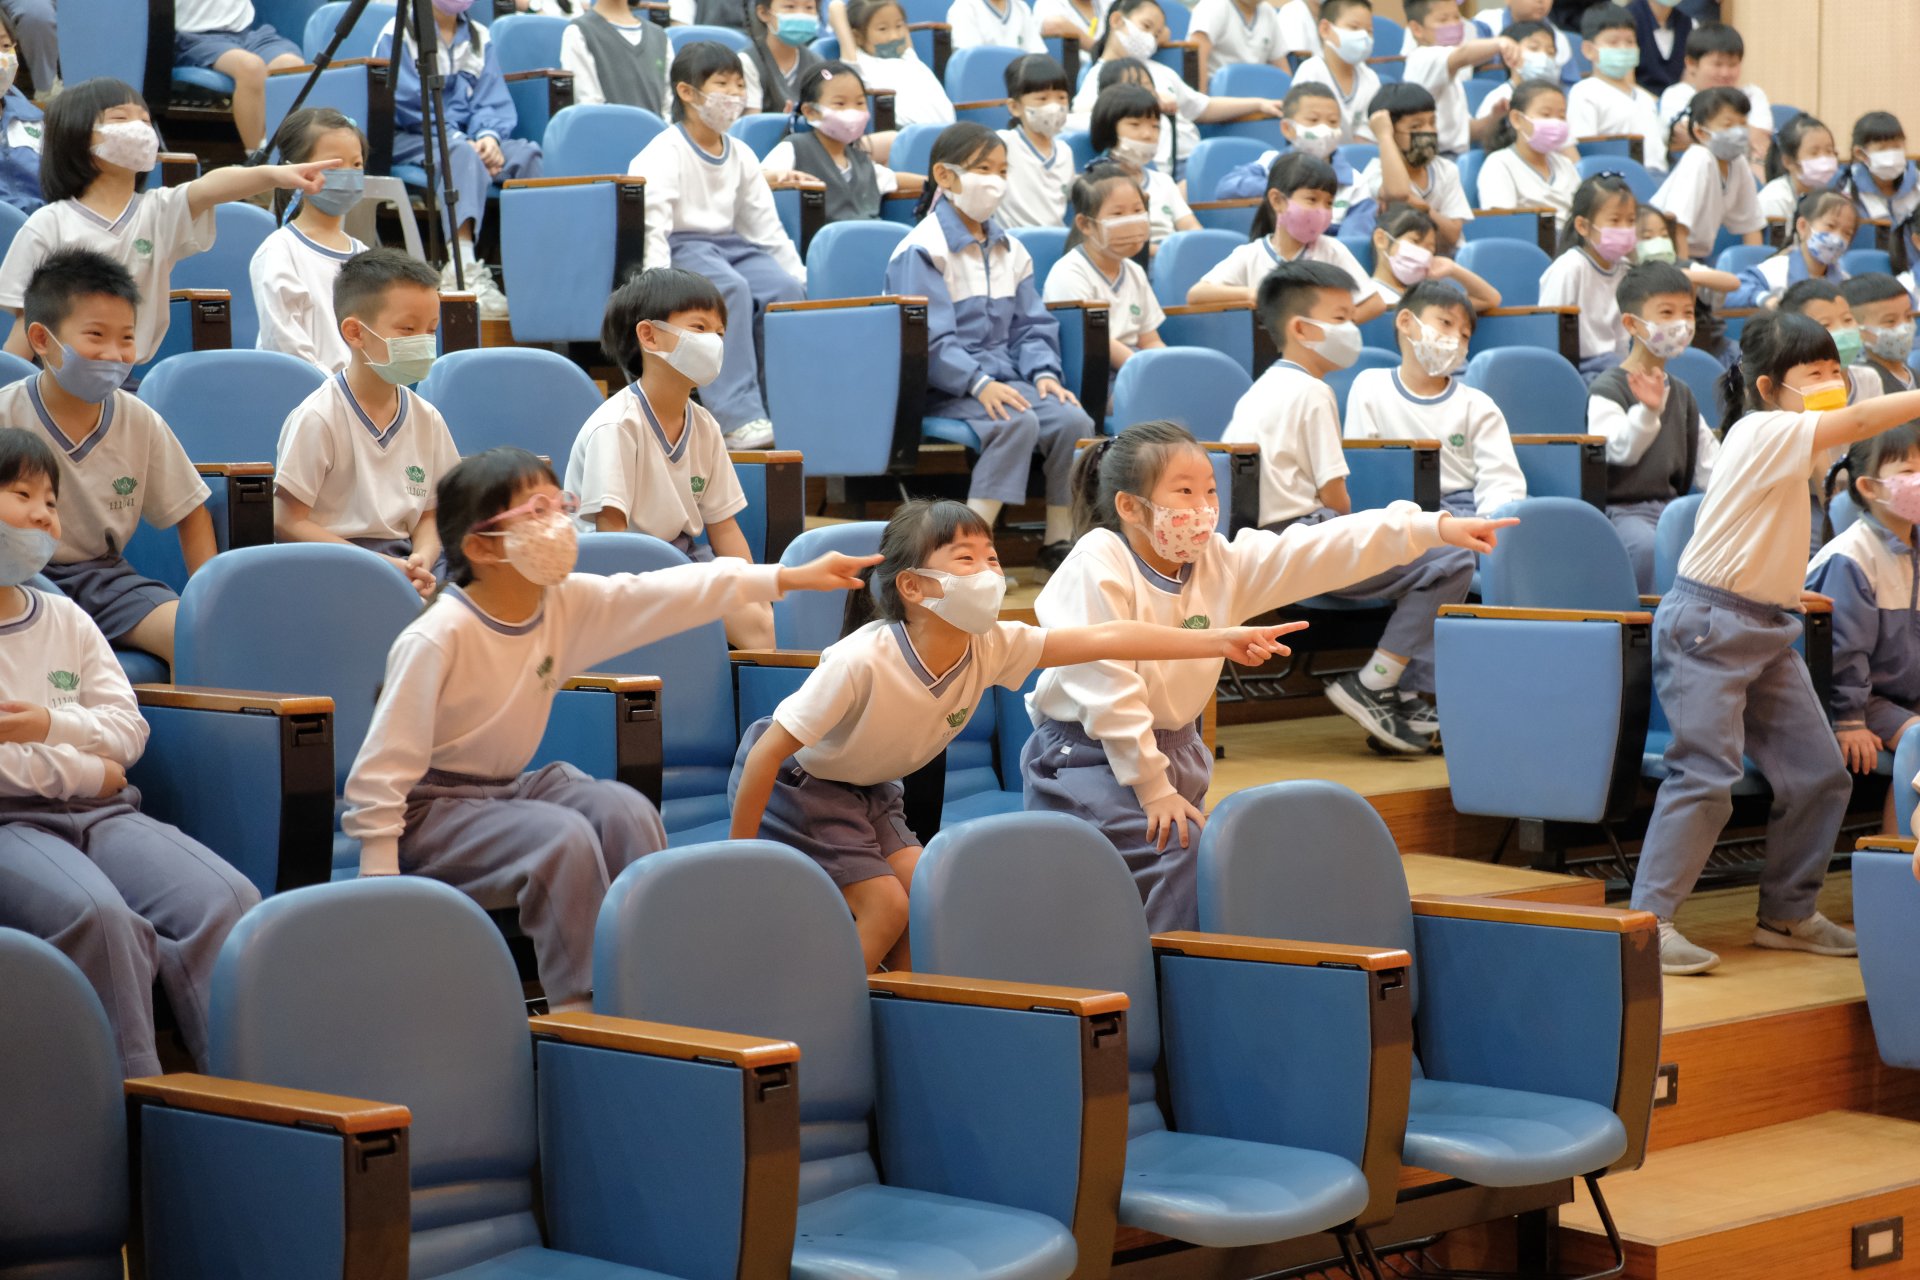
<point x="880" y="904"/>
<point x="246" y="69"/>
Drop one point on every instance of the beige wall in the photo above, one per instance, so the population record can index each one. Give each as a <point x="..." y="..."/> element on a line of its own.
<point x="1835" y="58"/>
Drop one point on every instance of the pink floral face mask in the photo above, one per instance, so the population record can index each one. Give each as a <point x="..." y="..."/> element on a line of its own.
<point x="1903" y="496"/>
<point x="1181" y="533"/>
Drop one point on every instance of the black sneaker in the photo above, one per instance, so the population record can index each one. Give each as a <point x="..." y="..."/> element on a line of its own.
<point x="1378" y="712"/>
<point x="1051" y="557"/>
<point x="1421" y="716"/>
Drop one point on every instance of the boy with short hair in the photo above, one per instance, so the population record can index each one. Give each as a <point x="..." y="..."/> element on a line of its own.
<point x="1609" y="101"/>
<point x="1422" y="400"/>
<point x="1441" y="58"/>
<point x="1712" y="185"/>
<point x="1534" y="42"/>
<point x="1659" y="445"/>
<point x="1346" y="42"/>
<point x="651" y="460"/>
<point x="1409" y="169"/>
<point x="222" y="36"/>
<point x="1309" y="121"/>
<point x="1716" y="56"/>
<point x="1883" y="182"/>
<point x="1292" y="415"/>
<point x="1885" y="312"/>
<point x="125" y="897"/>
<point x="118" y="460"/>
<point x="358" y="460"/>
<point x="1824" y="303"/>
<point x="1532" y="14"/>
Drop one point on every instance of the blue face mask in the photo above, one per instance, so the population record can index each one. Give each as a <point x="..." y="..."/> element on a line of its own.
<point x="798" y="29"/>
<point x="87" y="379"/>
<point x="23" y="553"/>
<point x="343" y="191"/>
<point x="1614" y="64"/>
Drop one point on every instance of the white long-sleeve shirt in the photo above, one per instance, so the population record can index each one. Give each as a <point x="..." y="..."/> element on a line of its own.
<point x="466" y="693"/>
<point x="1631" y="432"/>
<point x="690" y="190"/>
<point x="1476" y="452"/>
<point x="1122" y="703"/>
<point x="292" y="279"/>
<point x="52" y="655"/>
<point x="1007" y="24"/>
<point x="918" y="95"/>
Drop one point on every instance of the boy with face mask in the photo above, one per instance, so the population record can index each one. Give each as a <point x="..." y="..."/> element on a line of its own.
<point x="358" y="459"/>
<point x="1885" y="312"/>
<point x="1711" y="185"/>
<point x="652" y="461"/>
<point x="1610" y="102"/>
<point x="119" y="462"/>
<point x="1410" y="170"/>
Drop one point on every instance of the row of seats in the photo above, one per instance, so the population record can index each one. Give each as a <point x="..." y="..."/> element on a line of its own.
<point x="745" y="1101"/>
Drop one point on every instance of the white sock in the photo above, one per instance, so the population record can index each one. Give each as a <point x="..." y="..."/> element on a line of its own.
<point x="986" y="508"/>
<point x="1059" y="525"/>
<point x="467" y="258"/>
<point x="1382" y="672"/>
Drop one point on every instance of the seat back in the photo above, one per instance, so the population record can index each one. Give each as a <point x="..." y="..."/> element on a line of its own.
<point x="1183" y="258"/>
<point x="1247" y="80"/>
<point x="229" y="406"/>
<point x="761" y="132"/>
<point x="492" y="396"/>
<point x="12" y="367"/>
<point x="695" y="32"/>
<point x="912" y="147"/>
<point x="1042" y="897"/>
<point x="597" y="138"/>
<point x="1842" y="511"/>
<point x="1857" y="262"/>
<point x="849" y="259"/>
<point x="106" y="38"/>
<point x="979" y="74"/>
<point x="1308" y="860"/>
<point x="751" y="937"/>
<point x="1045" y="245"/>
<point x="1514" y="267"/>
<point x="326" y="19"/>
<point x="1906" y="765"/>
<point x="1702" y="373"/>
<point x="303" y="617"/>
<point x="811" y="619"/>
<point x="11" y="220"/>
<point x="1192" y="386"/>
<point x="1886" y="914"/>
<point x="401" y="990"/>
<point x="1536" y="389"/>
<point x="1564" y="554"/>
<point x="1470" y="180"/>
<point x="63" y="1182"/>
<point x="1388" y="37"/>
<point x="1737" y="258"/>
<point x="1214" y="158"/>
<point x="1670" y="538"/>
<point x="526" y="42"/>
<point x="239" y="227"/>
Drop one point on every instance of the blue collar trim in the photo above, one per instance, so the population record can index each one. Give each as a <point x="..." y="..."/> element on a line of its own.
<point x="726" y="146"/>
<point x="27" y="619"/>
<point x="504" y="628"/>
<point x="1158" y="580"/>
<point x="338" y="255"/>
<point x="1452" y="385"/>
<point x="381" y="436"/>
<point x="75" y="452"/>
<point x="936" y="685"/>
<point x="674" y="451"/>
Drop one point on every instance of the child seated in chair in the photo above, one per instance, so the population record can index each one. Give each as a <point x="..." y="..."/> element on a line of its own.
<point x="223" y="36"/>
<point x="651" y="460"/>
<point x="1291" y="413"/>
<point x="616" y="55"/>
<point x="833" y="148"/>
<point x="293" y="270"/>
<point x="1885" y="312"/>
<point x="1659" y="446"/>
<point x="359" y="458"/>
<point x="1424" y="400"/>
<point x="125" y="897"/>
<point x="118" y="461"/>
<point x="1110" y="226"/>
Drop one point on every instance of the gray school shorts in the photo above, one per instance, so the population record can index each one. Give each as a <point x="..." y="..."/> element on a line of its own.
<point x="850" y="831"/>
<point x="111" y="591"/>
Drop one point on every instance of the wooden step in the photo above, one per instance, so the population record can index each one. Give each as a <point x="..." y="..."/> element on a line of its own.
<point x="1776" y="1202"/>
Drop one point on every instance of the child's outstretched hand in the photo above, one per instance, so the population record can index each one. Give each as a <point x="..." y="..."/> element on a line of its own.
<point x="302" y="177"/>
<point x="831" y="572"/>
<point x="1251" y="646"/>
<point x="1473" y="532"/>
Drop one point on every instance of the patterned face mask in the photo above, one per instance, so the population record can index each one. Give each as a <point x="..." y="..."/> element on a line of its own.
<point x="1181" y="534"/>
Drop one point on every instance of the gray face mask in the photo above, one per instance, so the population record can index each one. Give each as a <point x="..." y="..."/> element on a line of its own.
<point x="23" y="553"/>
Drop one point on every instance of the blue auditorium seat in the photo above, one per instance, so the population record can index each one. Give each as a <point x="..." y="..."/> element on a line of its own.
<point x="1192" y="386"/>
<point x="1886" y="915"/>
<point x="493" y="396"/>
<point x="597" y="138"/>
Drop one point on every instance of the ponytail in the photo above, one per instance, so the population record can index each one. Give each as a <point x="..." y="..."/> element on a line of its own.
<point x="1130" y="462"/>
<point x="1770" y="345"/>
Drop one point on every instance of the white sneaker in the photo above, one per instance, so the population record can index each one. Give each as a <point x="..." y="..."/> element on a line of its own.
<point x="1680" y="957"/>
<point x="1816" y="935"/>
<point x="757" y="434"/>
<point x="479" y="280"/>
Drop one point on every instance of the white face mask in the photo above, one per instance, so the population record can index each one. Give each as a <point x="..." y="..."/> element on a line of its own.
<point x="1136" y="43"/>
<point x="1317" y="140"/>
<point x="542" y="549"/>
<point x="972" y="600"/>
<point x="1046" y="121"/>
<point x="1338" y="344"/>
<point x="697" y="357"/>
<point x="131" y="144"/>
<point x="1434" y="351"/>
<point x="1123" y="235"/>
<point x="979" y="195"/>
<point x="1134" y="151"/>
<point x="1887" y="164"/>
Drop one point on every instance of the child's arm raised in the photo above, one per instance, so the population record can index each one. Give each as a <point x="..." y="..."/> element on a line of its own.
<point x="1125" y="640"/>
<point x="1481" y="294"/>
<point x="238" y="181"/>
<point x="756" y="780"/>
<point x="1839" y="427"/>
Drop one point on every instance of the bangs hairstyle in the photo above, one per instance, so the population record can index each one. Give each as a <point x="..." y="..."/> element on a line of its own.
<point x="1601" y="18"/>
<point x="1646" y="280"/>
<point x="478" y="489"/>
<point x="920" y="527"/>
<point x="656" y="294"/>
<point x="1417" y="10"/>
<point x="1714" y="37"/>
<point x="1874" y="126"/>
<point x="696" y="64"/>
<point x="1036" y="73"/>
<point x="1589" y="199"/>
<point x="1872" y="286"/>
<point x="24" y="455"/>
<point x="301" y="132"/>
<point x="958" y="146"/>
<point x="1400" y="101"/>
<point x="1121" y="102"/>
<point x="1293" y="171"/>
<point x="1437" y="293"/>
<point x="1121" y="9"/>
<point x="67" y="166"/>
<point x="1794" y="301"/>
<point x="1402" y="220"/>
<point x="1519" y="32"/>
<point x="1293" y="289"/>
<point x="1814" y="206"/>
<point x="67" y="275"/>
<point x="1122" y="71"/>
<point x="813" y="84"/>
<point x="1709" y="103"/>
<point x="360" y="290"/>
<point x="1787" y="141"/>
<point x="1525" y="94"/>
<point x="1863" y="458"/>
<point x="1300" y="93"/>
<point x="861" y="13"/>
<point x="1331" y="11"/>
<point x="1090" y="191"/>
<point x="1770" y="345"/>
<point x="1130" y="462"/>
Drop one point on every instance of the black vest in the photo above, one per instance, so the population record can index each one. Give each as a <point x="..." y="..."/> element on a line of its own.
<point x="1665" y="470"/>
<point x="632" y="75"/>
<point x="851" y="196"/>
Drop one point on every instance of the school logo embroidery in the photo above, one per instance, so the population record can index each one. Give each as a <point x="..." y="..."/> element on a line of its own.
<point x="64" y="681"/>
<point x="1198" y="622"/>
<point x="143" y="247"/>
<point x="125" y="485"/>
<point x="544" y="673"/>
<point x="699" y="484"/>
<point x="417" y="474"/>
<point x="1133" y="309"/>
<point x="1457" y="440"/>
<point x="33" y="131"/>
<point x="958" y="718"/>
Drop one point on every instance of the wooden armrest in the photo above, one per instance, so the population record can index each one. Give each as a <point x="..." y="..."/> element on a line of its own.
<point x="200" y="295"/>
<point x="617" y="179"/>
<point x="1509" y="614"/>
<point x="663" y="1040"/>
<point x="196" y="698"/>
<point x="1507" y="213"/>
<point x="776" y="657"/>
<point x="243" y="1100"/>
<point x="1558" y="439"/>
<point x="790" y="182"/>
<point x="1650" y="601"/>
<point x="983" y="105"/>
<point x="985" y="994"/>
<point x="306" y="68"/>
<point x="1528" y="311"/>
<point x="614" y="684"/>
<point x="903" y="195"/>
<point x="1385" y="58"/>
<point x="1206" y="308"/>
<point x="1179" y="44"/>
<point x="1816" y="606"/>
<point x="929" y="26"/>
<point x="541" y="73"/>
<point x="234" y="468"/>
<point x="188" y="157"/>
<point x="1885" y="844"/>
<point x="762" y="457"/>
<point x="1250" y="117"/>
<point x="1225" y="946"/>
<point x="829" y="304"/>
<point x="1089" y="304"/>
<point x="1610" y="137"/>
<point x="1388" y="444"/>
<point x="1248" y="203"/>
<point x="1558" y="915"/>
<point x="1740" y="313"/>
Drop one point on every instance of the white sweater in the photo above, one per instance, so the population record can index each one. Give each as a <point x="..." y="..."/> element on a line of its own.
<point x="52" y="655"/>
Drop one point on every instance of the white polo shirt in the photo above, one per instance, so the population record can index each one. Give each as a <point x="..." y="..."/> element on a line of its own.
<point x="1132" y="309"/>
<point x="1353" y="107"/>
<point x="1444" y="192"/>
<point x="1703" y="200"/>
<point x="622" y="461"/>
<point x="363" y="479"/>
<point x="1574" y="279"/>
<point x="52" y="655"/>
<point x="1299" y="27"/>
<point x="293" y="292"/>
<point x="873" y="712"/>
<point x="1295" y="419"/>
<point x="1037" y="185"/>
<point x="1476" y="453"/>
<point x="1009" y="24"/>
<point x="1235" y="36"/>
<point x="1248" y="265"/>
<point x="149" y="236"/>
<point x="1595" y="107"/>
<point x="1754" y="525"/>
